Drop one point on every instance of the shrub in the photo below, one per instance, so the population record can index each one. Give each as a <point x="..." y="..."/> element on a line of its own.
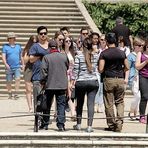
<point x="104" y="15"/>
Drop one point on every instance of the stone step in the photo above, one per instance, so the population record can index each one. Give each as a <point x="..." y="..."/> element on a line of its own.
<point x="64" y="4"/>
<point x="64" y="17"/>
<point x="48" y="8"/>
<point x="56" y="140"/>
<point x="23" y="31"/>
<point x="42" y="14"/>
<point x="34" y="26"/>
<point x="39" y="22"/>
<point x="23" y="17"/>
<point x="43" y="1"/>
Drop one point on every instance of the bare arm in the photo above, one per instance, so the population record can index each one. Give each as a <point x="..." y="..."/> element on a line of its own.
<point x="4" y="60"/>
<point x="25" y="58"/>
<point x="139" y="65"/>
<point x="22" y="61"/>
<point x="101" y="65"/>
<point x="131" y="40"/>
<point x="126" y="68"/>
<point x="33" y="58"/>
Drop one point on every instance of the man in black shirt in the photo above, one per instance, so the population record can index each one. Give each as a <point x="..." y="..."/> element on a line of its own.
<point x="121" y="30"/>
<point x="113" y="64"/>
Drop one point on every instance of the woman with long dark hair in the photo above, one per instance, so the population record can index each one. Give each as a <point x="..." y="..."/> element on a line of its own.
<point x="68" y="49"/>
<point x="85" y="80"/>
<point x="28" y="71"/>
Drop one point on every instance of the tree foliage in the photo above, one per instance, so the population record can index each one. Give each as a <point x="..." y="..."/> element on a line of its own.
<point x="104" y="15"/>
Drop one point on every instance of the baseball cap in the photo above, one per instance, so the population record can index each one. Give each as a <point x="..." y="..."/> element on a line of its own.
<point x="11" y="35"/>
<point x="52" y="43"/>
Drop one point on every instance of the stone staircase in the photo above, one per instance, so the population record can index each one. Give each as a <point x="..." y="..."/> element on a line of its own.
<point x="23" y="17"/>
<point x="75" y="140"/>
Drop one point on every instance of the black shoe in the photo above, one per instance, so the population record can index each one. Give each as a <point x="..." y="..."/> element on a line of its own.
<point x="61" y="129"/>
<point x="109" y="129"/>
<point x="45" y="127"/>
<point x="41" y="126"/>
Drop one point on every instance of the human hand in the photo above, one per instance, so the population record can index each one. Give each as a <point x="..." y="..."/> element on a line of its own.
<point x="7" y="67"/>
<point x="146" y="61"/>
<point x="126" y="81"/>
<point x="22" y="68"/>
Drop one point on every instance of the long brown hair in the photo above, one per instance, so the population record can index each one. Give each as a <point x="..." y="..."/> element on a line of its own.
<point x="87" y="50"/>
<point x="30" y="43"/>
<point x="71" y="48"/>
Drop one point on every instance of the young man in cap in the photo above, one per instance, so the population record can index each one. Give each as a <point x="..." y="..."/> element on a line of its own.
<point x="11" y="56"/>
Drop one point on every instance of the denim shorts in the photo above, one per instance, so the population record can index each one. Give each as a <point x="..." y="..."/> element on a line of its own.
<point x="13" y="74"/>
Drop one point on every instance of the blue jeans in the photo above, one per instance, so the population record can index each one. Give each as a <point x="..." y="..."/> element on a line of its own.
<point x="13" y="73"/>
<point x="61" y="102"/>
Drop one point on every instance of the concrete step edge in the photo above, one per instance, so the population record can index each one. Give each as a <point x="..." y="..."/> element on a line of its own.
<point x="40" y="1"/>
<point x="39" y="8"/>
<point x="15" y="17"/>
<point x="41" y="21"/>
<point x="36" y="25"/>
<point x="79" y="134"/>
<point x="73" y="142"/>
<point x="43" y="13"/>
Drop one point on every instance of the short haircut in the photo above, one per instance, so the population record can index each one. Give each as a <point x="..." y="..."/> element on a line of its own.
<point x="94" y="33"/>
<point x="41" y="28"/>
<point x="119" y="20"/>
<point x="57" y="34"/>
<point x="110" y="38"/>
<point x="84" y="28"/>
<point x="64" y="28"/>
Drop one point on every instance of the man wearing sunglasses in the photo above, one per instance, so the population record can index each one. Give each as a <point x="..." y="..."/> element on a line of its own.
<point x="83" y="35"/>
<point x="36" y="53"/>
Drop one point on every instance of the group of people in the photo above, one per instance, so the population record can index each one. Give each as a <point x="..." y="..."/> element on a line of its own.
<point x="94" y="67"/>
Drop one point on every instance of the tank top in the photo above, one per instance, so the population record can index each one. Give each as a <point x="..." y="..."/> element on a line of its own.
<point x="144" y="70"/>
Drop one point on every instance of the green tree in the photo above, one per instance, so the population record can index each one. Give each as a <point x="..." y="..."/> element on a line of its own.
<point x="104" y="15"/>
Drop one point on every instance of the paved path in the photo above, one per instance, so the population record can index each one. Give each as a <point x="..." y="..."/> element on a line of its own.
<point x="25" y="124"/>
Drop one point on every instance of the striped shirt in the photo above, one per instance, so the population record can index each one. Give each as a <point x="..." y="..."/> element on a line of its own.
<point x="80" y="71"/>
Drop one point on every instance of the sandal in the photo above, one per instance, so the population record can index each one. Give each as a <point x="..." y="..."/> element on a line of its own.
<point x="131" y="117"/>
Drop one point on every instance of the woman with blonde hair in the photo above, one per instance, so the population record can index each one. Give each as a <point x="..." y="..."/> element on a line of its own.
<point x="133" y="79"/>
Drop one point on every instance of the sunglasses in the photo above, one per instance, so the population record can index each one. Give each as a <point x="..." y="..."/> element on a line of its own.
<point x="85" y="33"/>
<point x="41" y="33"/>
<point x="139" y="45"/>
<point x="61" y="40"/>
<point x="68" y="41"/>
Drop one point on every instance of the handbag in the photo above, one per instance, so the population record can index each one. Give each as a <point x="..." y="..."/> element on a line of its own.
<point x="41" y="101"/>
<point x="73" y="94"/>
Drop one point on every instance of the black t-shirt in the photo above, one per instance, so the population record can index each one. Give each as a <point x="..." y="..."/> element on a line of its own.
<point x="124" y="31"/>
<point x="114" y="62"/>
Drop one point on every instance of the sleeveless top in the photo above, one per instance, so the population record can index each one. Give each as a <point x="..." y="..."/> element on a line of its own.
<point x="144" y="70"/>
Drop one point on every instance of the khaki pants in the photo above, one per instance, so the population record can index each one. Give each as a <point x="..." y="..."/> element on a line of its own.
<point x="113" y="93"/>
